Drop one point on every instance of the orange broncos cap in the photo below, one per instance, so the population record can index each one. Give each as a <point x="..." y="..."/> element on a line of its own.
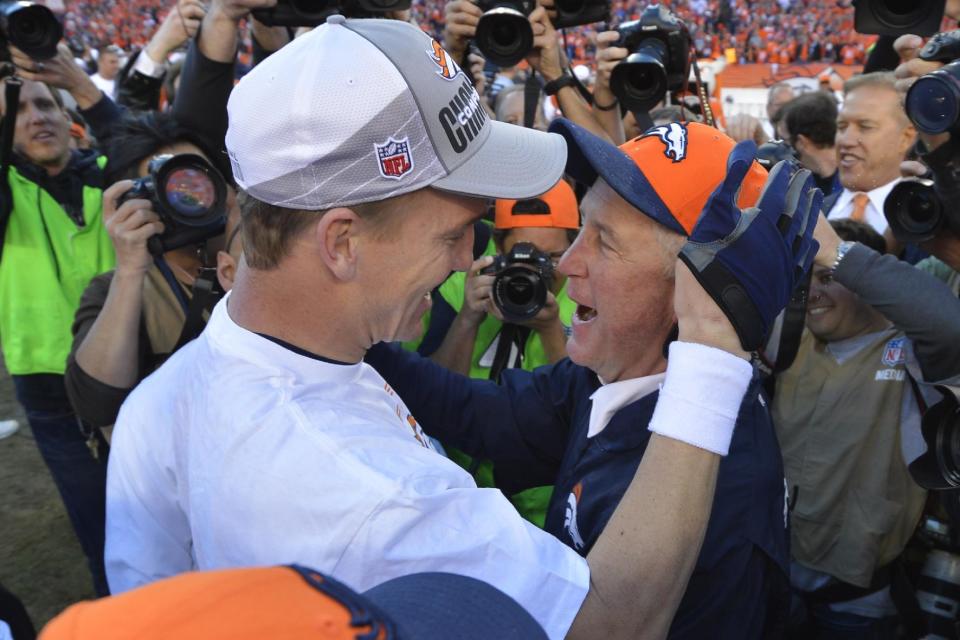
<point x="556" y="208"/>
<point x="273" y="602"/>
<point x="668" y="172"/>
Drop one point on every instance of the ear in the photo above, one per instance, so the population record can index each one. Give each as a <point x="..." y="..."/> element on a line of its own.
<point x="226" y="270"/>
<point x="908" y="138"/>
<point x="335" y="238"/>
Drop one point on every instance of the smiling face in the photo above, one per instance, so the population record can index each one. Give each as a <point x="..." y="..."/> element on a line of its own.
<point x="836" y="313"/>
<point x="873" y="135"/>
<point x="620" y="273"/>
<point x="42" y="133"/>
<point x="398" y="269"/>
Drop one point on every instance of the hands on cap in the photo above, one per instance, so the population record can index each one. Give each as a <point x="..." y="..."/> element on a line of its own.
<point x="750" y="261"/>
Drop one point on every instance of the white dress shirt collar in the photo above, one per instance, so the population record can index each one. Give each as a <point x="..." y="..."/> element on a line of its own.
<point x="610" y="398"/>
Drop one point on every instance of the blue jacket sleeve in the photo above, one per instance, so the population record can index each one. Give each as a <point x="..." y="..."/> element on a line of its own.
<point x="521" y="425"/>
<point x="103" y="116"/>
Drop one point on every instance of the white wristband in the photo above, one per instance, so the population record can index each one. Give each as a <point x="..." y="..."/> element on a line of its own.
<point x="701" y="396"/>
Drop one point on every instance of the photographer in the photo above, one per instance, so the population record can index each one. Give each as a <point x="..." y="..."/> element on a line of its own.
<point x="130" y="320"/>
<point x="546" y="57"/>
<point x="848" y="419"/>
<point x="54" y="242"/>
<point x="810" y="123"/>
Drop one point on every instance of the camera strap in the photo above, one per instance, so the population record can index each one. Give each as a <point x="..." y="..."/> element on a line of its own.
<point x="531" y="99"/>
<point x="794" y="320"/>
<point x="12" y="95"/>
<point x="204" y="295"/>
<point x="510" y="334"/>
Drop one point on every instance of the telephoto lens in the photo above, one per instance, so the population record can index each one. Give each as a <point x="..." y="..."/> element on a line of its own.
<point x="504" y="34"/>
<point x="913" y="210"/>
<point x="939" y="466"/>
<point x="30" y="27"/>
<point x="659" y="47"/>
<point x="933" y="102"/>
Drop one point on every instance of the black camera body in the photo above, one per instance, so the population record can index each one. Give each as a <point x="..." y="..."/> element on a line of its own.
<point x="504" y="35"/>
<point x="770" y="153"/>
<point x="188" y="194"/>
<point x="311" y="13"/>
<point x="522" y="281"/>
<point x="939" y="466"/>
<point x="659" y="45"/>
<point x="916" y="211"/>
<point x="898" y="17"/>
<point x="30" y="27"/>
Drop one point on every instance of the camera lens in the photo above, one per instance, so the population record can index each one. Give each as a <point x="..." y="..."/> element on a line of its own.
<point x="32" y="28"/>
<point x="913" y="210"/>
<point x="504" y="36"/>
<point x="900" y="14"/>
<point x="640" y="81"/>
<point x="191" y="192"/>
<point x="933" y="102"/>
<point x="519" y="292"/>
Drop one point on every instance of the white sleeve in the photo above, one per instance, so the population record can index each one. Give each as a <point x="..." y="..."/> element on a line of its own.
<point x="147" y="534"/>
<point x="472" y="532"/>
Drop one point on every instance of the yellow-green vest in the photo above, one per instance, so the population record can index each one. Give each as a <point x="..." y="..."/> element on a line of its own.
<point x="47" y="263"/>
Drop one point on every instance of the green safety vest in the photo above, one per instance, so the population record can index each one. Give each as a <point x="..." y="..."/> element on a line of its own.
<point x="47" y="263"/>
<point x="531" y="503"/>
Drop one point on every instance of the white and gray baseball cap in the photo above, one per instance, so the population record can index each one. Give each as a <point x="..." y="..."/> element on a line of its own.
<point x="362" y="110"/>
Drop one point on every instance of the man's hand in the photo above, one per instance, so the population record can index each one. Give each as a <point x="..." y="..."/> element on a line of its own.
<point x="477" y="62"/>
<point x="460" y="26"/>
<point x="749" y="262"/>
<point x="130" y="225"/>
<point x="61" y="71"/>
<point x="608" y="57"/>
<point x="829" y="242"/>
<point x="181" y="23"/>
<point x="476" y="292"/>
<point x="743" y="126"/>
<point x="545" y="57"/>
<point x="547" y="318"/>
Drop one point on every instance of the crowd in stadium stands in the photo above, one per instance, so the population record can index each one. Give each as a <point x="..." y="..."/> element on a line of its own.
<point x="764" y="31"/>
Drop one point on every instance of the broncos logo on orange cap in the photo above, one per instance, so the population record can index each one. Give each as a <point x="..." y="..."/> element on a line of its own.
<point x="448" y="69"/>
<point x="674" y="137"/>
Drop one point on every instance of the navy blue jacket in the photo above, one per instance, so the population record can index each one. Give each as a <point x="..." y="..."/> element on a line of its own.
<point x="534" y="428"/>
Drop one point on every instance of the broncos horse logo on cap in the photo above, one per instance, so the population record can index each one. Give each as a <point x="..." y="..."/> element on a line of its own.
<point x="448" y="68"/>
<point x="674" y="137"/>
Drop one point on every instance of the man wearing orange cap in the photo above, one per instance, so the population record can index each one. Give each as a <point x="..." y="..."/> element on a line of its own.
<point x="580" y="424"/>
<point x="475" y="337"/>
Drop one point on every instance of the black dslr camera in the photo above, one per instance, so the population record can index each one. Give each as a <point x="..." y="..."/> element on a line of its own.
<point x="504" y="34"/>
<point x="918" y="208"/>
<point x="770" y="153"/>
<point x="933" y="102"/>
<point x="659" y="45"/>
<point x="939" y="466"/>
<point x="310" y="13"/>
<point x="897" y="17"/>
<point x="522" y="281"/>
<point x="188" y="194"/>
<point x="30" y="27"/>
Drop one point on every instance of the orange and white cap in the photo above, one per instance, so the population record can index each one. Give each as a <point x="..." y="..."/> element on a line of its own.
<point x="668" y="172"/>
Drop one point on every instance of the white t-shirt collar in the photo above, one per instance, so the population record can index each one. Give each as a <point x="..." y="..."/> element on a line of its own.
<point x="610" y="398"/>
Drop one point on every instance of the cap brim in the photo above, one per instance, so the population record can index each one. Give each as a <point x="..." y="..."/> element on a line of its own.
<point x="513" y="163"/>
<point x="589" y="157"/>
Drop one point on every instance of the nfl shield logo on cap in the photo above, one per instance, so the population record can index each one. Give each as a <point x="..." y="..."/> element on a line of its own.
<point x="395" y="158"/>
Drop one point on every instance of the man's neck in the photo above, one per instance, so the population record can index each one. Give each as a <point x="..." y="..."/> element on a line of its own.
<point x="823" y="162"/>
<point x="272" y="303"/>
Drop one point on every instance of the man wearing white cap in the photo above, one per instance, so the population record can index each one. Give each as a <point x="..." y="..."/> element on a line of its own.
<point x="365" y="159"/>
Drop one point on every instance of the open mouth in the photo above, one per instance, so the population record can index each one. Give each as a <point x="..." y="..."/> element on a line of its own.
<point x="847" y="159"/>
<point x="584" y="314"/>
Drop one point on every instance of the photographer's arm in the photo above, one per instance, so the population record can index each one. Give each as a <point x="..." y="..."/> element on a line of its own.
<point x="62" y="72"/>
<point x="547" y="59"/>
<point x="109" y="351"/>
<point x="456" y="349"/>
<point x="915" y="301"/>
<point x="608" y="112"/>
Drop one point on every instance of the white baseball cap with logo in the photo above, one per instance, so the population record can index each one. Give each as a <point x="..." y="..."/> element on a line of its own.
<point x="362" y="110"/>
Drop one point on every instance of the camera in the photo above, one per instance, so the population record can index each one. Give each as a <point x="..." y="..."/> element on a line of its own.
<point x="30" y="27"/>
<point x="933" y="102"/>
<point x="917" y="209"/>
<point x="311" y="13"/>
<point x="939" y="466"/>
<point x="897" y="17"/>
<point x="188" y="194"/>
<point x="522" y="281"/>
<point x="504" y="34"/>
<point x="659" y="45"/>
